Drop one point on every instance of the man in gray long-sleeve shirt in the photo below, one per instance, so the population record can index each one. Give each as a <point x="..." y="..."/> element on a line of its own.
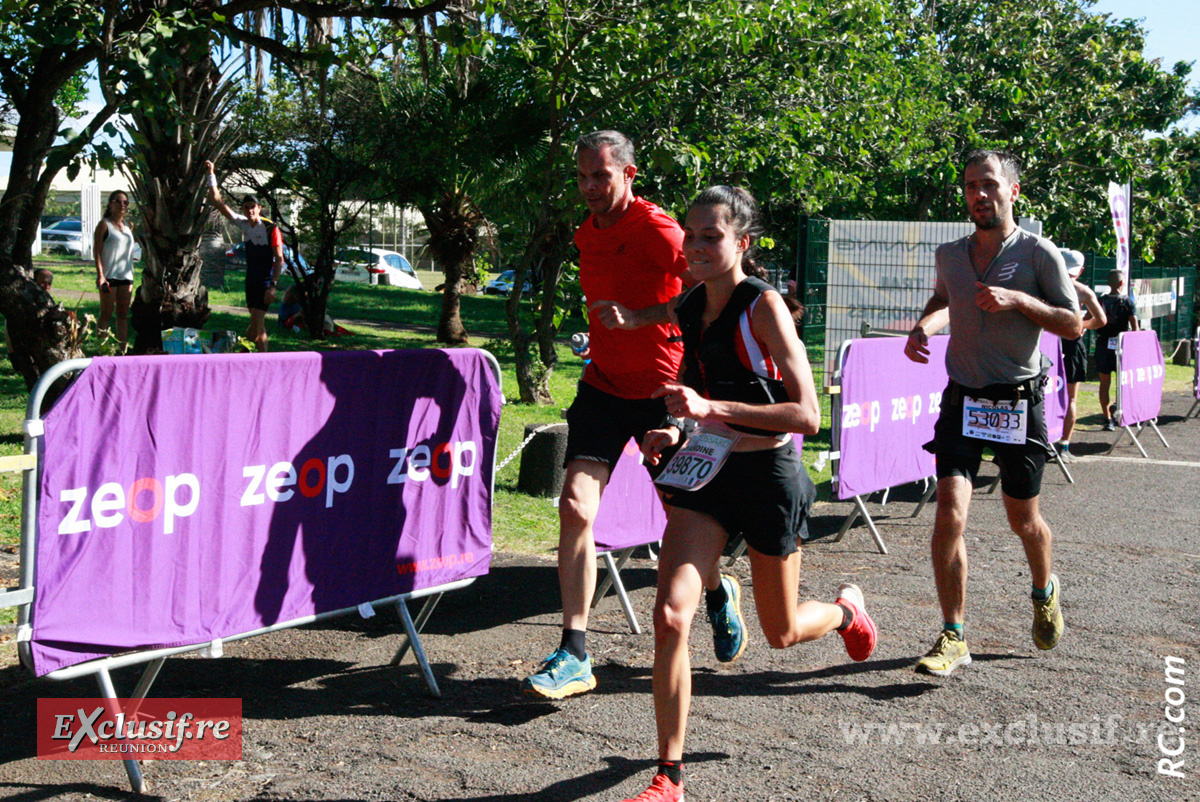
<point x="1002" y="286"/>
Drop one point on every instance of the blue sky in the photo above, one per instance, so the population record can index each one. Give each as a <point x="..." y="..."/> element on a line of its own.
<point x="1172" y="29"/>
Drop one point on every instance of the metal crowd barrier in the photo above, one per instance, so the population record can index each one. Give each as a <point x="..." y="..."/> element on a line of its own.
<point x="22" y="596"/>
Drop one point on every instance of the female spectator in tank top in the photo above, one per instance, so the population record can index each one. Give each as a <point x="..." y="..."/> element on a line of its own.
<point x="113" y="251"/>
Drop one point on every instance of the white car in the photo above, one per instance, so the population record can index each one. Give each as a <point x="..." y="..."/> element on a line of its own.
<point x="66" y="236"/>
<point x="374" y="266"/>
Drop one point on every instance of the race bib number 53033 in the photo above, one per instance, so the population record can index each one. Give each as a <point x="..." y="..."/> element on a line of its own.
<point x="997" y="421"/>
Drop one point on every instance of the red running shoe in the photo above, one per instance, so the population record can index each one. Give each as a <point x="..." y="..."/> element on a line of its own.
<point x="661" y="790"/>
<point x="861" y="635"/>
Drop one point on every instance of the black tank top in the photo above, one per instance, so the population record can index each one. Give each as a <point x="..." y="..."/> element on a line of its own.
<point x="710" y="361"/>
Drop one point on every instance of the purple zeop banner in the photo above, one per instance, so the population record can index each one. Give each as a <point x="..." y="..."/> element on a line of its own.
<point x="189" y="498"/>
<point x="1057" y="399"/>
<point x="889" y="406"/>
<point x="1142" y="371"/>
<point x="630" y="512"/>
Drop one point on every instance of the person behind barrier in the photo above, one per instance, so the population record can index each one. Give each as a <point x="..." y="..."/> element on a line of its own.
<point x="264" y="257"/>
<point x="1002" y="286"/>
<point x="629" y="250"/>
<point x="43" y="278"/>
<point x="291" y="311"/>
<point x="747" y="382"/>
<point x="112" y="251"/>
<point x="1074" y="352"/>
<point x="1122" y="317"/>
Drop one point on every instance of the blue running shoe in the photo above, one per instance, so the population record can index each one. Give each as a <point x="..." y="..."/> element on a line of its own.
<point x="729" y="630"/>
<point x="561" y="675"/>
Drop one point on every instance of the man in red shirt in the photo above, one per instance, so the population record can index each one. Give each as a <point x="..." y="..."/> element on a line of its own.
<point x="630" y="251"/>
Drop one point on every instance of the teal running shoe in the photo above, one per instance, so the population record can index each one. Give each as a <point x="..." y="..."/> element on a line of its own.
<point x="729" y="630"/>
<point x="561" y="675"/>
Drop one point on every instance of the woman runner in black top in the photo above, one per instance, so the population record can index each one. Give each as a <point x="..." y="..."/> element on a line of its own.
<point x="745" y="373"/>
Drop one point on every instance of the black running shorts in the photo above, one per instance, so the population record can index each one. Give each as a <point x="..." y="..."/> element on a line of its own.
<point x="764" y="496"/>
<point x="1106" y="358"/>
<point x="1021" y="466"/>
<point x="257" y="285"/>
<point x="600" y="424"/>
<point x="1074" y="356"/>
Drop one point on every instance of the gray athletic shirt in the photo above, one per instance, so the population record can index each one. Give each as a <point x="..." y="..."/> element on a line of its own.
<point x="999" y="347"/>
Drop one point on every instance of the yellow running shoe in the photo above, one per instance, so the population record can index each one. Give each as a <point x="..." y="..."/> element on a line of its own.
<point x="1047" y="618"/>
<point x="947" y="654"/>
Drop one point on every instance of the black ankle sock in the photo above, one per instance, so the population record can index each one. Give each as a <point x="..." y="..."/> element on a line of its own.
<point x="847" y="617"/>
<point x="673" y="769"/>
<point x="716" y="599"/>
<point x="575" y="642"/>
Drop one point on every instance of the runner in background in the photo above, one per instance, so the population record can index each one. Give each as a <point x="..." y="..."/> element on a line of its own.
<point x="1122" y="317"/>
<point x="264" y="257"/>
<point x="1002" y="286"/>
<point x="629" y="249"/>
<point x="1074" y="352"/>
<point x="747" y="382"/>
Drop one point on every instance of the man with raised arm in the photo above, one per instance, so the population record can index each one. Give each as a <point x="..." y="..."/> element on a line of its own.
<point x="1002" y="286"/>
<point x="264" y="257"/>
<point x="631" y="252"/>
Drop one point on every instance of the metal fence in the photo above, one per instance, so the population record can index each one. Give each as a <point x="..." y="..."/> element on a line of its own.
<point x="896" y="301"/>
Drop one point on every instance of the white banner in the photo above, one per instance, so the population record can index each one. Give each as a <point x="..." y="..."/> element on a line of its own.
<point x="880" y="273"/>
<point x="1118" y="203"/>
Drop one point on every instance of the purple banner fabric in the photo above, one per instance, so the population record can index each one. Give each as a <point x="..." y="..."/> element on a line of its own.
<point x="1142" y="370"/>
<point x="889" y="406"/>
<point x="188" y="498"/>
<point x="1057" y="399"/>
<point x="630" y="513"/>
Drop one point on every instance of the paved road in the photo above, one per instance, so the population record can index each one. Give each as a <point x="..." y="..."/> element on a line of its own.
<point x="326" y="718"/>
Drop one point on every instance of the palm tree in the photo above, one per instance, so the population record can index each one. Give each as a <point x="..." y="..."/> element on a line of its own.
<point x="457" y="145"/>
<point x="173" y="131"/>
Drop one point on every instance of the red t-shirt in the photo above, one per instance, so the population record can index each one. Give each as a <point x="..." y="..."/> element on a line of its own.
<point x="636" y="262"/>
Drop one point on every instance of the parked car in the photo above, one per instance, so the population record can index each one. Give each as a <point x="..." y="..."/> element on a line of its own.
<point x="374" y="266"/>
<point x="503" y="284"/>
<point x="235" y="259"/>
<point x="66" y="236"/>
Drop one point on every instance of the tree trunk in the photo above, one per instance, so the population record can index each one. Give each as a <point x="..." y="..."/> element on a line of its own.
<point x="170" y="295"/>
<point x="41" y="333"/>
<point x="174" y="131"/>
<point x="454" y="225"/>
<point x="543" y="256"/>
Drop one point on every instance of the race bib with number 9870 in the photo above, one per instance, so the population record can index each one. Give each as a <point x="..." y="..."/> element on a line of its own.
<point x="695" y="465"/>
